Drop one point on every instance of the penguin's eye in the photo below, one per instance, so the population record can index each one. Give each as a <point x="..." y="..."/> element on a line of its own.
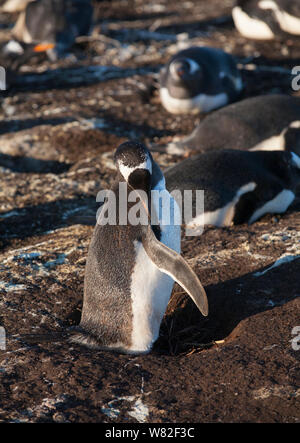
<point x="179" y="68"/>
<point x="185" y="66"/>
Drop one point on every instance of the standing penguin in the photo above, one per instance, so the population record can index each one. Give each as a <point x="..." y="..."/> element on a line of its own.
<point x="199" y="79"/>
<point x="267" y="122"/>
<point x="131" y="268"/>
<point x="266" y="19"/>
<point x="53" y="24"/>
<point x="239" y="186"/>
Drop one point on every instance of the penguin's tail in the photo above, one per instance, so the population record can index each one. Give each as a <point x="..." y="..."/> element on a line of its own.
<point x="35" y="339"/>
<point x="82" y="337"/>
<point x="73" y="334"/>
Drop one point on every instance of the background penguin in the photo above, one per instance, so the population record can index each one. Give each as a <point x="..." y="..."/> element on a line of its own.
<point x="265" y="19"/>
<point x="130" y="270"/>
<point x="239" y="186"/>
<point x="267" y="122"/>
<point x="52" y="24"/>
<point x="199" y="79"/>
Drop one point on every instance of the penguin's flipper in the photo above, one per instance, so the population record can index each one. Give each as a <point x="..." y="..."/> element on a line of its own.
<point x="172" y="263"/>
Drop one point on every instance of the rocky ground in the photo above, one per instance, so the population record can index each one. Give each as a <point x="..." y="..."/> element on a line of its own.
<point x="60" y="124"/>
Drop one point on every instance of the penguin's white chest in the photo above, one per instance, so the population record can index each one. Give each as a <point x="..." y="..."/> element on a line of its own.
<point x="199" y="103"/>
<point x="150" y="292"/>
<point x="251" y="27"/>
<point x="287" y="22"/>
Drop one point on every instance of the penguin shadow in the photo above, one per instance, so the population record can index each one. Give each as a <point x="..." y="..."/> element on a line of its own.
<point x="19" y="163"/>
<point x="270" y="74"/>
<point x="16" y="125"/>
<point x="184" y="330"/>
<point x="131" y="17"/>
<point x="125" y="128"/>
<point x="41" y="219"/>
<point x="65" y="77"/>
<point x="222" y="22"/>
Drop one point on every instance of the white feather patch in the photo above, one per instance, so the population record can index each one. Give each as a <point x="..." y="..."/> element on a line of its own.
<point x="222" y="216"/>
<point x="287" y="22"/>
<point x="15" y="5"/>
<point x="199" y="103"/>
<point x="276" y="142"/>
<point x="250" y="27"/>
<point x="151" y="288"/>
<point x="127" y="170"/>
<point x="277" y="205"/>
<point x="150" y="292"/>
<point x="13" y="47"/>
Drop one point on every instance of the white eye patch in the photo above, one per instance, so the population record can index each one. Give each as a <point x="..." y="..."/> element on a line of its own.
<point x="295" y="124"/>
<point x="127" y="170"/>
<point x="267" y="4"/>
<point x="193" y="66"/>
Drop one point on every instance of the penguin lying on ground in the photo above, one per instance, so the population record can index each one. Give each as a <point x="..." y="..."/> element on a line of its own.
<point x="267" y="122"/>
<point x="199" y="79"/>
<point x="51" y="25"/>
<point x="239" y="186"/>
<point x="130" y="269"/>
<point x="266" y="19"/>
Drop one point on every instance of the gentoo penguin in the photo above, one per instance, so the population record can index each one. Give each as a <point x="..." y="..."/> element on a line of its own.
<point x="52" y="24"/>
<point x="266" y="19"/>
<point x="267" y="122"/>
<point x="131" y="268"/>
<point x="239" y="186"/>
<point x="199" y="79"/>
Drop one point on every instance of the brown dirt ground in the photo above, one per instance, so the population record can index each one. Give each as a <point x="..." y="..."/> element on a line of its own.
<point x="56" y="146"/>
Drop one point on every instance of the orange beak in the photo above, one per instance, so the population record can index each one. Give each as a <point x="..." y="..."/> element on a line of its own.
<point x="42" y="47"/>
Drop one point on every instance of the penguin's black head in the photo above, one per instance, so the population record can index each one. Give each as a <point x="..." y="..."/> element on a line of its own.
<point x="183" y="69"/>
<point x="134" y="163"/>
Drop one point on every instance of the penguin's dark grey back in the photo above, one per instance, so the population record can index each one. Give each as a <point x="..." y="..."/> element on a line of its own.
<point x="107" y="294"/>
<point x="225" y="174"/>
<point x="219" y="173"/>
<point x="245" y="124"/>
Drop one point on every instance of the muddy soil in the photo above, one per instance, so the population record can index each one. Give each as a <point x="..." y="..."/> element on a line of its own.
<point x="60" y="123"/>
